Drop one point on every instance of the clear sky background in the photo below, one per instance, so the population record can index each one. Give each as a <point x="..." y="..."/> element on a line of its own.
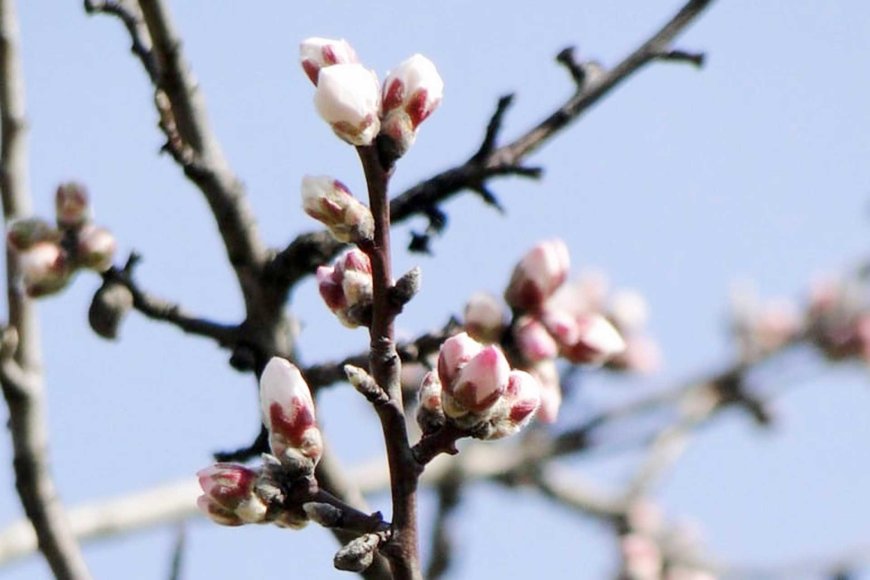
<point x="678" y="184"/>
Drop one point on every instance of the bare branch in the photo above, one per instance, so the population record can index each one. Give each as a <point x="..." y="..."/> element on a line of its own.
<point x="131" y="17"/>
<point x="21" y="378"/>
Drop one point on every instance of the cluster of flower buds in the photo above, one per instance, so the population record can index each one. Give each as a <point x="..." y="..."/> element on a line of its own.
<point x="475" y="388"/>
<point x="351" y="100"/>
<point x="762" y="327"/>
<point x="838" y="318"/>
<point x="330" y="202"/>
<point x="48" y="255"/>
<point x="234" y="494"/>
<point x="552" y="318"/>
<point x="346" y="287"/>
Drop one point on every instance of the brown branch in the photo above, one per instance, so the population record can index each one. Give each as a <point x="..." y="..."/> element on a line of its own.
<point x="403" y="549"/>
<point x="131" y="17"/>
<point x="155" y="308"/>
<point x="20" y="373"/>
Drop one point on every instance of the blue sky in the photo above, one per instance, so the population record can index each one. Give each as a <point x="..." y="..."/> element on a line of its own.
<point x="678" y="184"/>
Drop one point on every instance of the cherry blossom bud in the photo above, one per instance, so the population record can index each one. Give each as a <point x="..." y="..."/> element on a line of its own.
<point x="642" y="559"/>
<point x="71" y="205"/>
<point x="328" y="201"/>
<point x="455" y="352"/>
<point x="316" y="53"/>
<point x="412" y="92"/>
<point x="229" y="495"/>
<point x="96" y="248"/>
<point x="346" y="287"/>
<point x="23" y="234"/>
<point x="348" y="98"/>
<point x="45" y="269"/>
<point x="551" y="390"/>
<point x="533" y="340"/>
<point x="484" y="317"/>
<point x="521" y="400"/>
<point x="288" y="411"/>
<point x="430" y="413"/>
<point x="479" y="385"/>
<point x="538" y="275"/>
<point x="585" y="339"/>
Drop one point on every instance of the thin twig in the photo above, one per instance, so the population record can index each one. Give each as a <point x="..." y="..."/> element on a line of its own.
<point x="21" y="378"/>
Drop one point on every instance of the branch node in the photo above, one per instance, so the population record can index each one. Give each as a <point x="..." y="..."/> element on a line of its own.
<point x="693" y="58"/>
<point x="568" y="59"/>
<point x="406" y="288"/>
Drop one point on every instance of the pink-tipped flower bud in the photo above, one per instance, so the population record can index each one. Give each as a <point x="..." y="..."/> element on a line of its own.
<point x="330" y="202"/>
<point x="45" y="269"/>
<point x="520" y="402"/>
<point x="348" y="98"/>
<point x="479" y="385"/>
<point x="551" y="390"/>
<point x="412" y="92"/>
<point x="538" y="275"/>
<point x="229" y="495"/>
<point x="484" y="317"/>
<point x="71" y="205"/>
<point x="23" y="234"/>
<point x="455" y="352"/>
<point x="316" y="53"/>
<point x="585" y="339"/>
<point x="95" y="248"/>
<point x="346" y="287"/>
<point x="533" y="340"/>
<point x="288" y="412"/>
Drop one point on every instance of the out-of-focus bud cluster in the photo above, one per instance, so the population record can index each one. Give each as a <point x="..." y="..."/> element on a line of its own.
<point x="475" y="388"/>
<point x="651" y="551"/>
<point x="346" y="287"/>
<point x="350" y="99"/>
<point x="49" y="256"/>
<point x="836" y="319"/>
<point x="235" y="494"/>
<point x="579" y="321"/>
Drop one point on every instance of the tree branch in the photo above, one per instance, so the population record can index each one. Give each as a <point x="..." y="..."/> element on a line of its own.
<point x="20" y="373"/>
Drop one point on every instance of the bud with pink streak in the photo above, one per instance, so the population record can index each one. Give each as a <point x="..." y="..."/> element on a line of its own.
<point x="348" y="98"/>
<point x="411" y="93"/>
<point x="537" y="276"/>
<point x="330" y="202"/>
<point x="71" y="205"/>
<point x="347" y="287"/>
<point x="585" y="338"/>
<point x="430" y="411"/>
<point x="521" y="400"/>
<point x="45" y="269"/>
<point x="229" y="495"/>
<point x="533" y="340"/>
<point x="288" y="413"/>
<point x="316" y="53"/>
<point x="473" y="376"/>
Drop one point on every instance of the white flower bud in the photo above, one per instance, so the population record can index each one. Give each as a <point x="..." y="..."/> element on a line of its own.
<point x="316" y="53"/>
<point x="328" y="201"/>
<point x="412" y="92"/>
<point x="348" y="98"/>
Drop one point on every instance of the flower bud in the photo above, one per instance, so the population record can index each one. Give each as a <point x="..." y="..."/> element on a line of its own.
<point x="23" y="234"/>
<point x="641" y="355"/>
<point x="628" y="310"/>
<point x="521" y="400"/>
<point x="288" y="411"/>
<point x="316" y="53"/>
<point x="455" y="352"/>
<point x="533" y="340"/>
<point x="229" y="495"/>
<point x="71" y="205"/>
<point x="484" y="317"/>
<point x="585" y="339"/>
<point x="330" y="202"/>
<point x="95" y="248"/>
<point x="45" y="269"/>
<point x="479" y="384"/>
<point x="347" y="98"/>
<point x="412" y="92"/>
<point x="346" y="287"/>
<point x="538" y="275"/>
